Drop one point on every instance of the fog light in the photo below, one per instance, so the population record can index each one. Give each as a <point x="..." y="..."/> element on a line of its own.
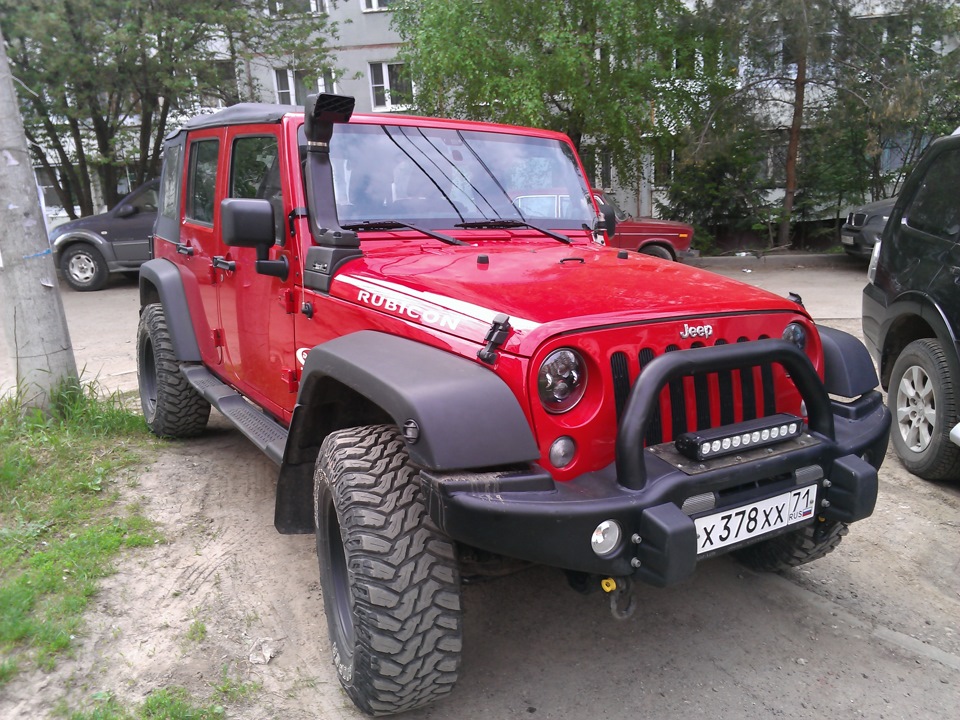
<point x="729" y="439"/>
<point x="606" y="538"/>
<point x="562" y="451"/>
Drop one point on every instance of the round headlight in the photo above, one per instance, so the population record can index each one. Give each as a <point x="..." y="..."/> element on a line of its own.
<point x="796" y="334"/>
<point x="562" y="380"/>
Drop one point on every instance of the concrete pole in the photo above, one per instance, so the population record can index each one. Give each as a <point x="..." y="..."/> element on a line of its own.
<point x="38" y="341"/>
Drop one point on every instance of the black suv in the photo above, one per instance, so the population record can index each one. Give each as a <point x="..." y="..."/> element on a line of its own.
<point x="911" y="313"/>
<point x="864" y="226"/>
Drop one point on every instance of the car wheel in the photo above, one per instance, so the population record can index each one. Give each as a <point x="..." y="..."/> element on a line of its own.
<point x="389" y="578"/>
<point x="923" y="402"/>
<point x="171" y="406"/>
<point x="793" y="548"/>
<point x="83" y="267"/>
<point x="658" y="251"/>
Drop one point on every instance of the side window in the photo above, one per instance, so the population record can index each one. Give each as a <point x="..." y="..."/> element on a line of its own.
<point x="203" y="180"/>
<point x="170" y="182"/>
<point x="935" y="209"/>
<point x="255" y="173"/>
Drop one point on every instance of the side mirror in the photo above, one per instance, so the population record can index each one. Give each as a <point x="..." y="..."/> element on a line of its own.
<point x="247" y="222"/>
<point x="609" y="218"/>
<point x="125" y="211"/>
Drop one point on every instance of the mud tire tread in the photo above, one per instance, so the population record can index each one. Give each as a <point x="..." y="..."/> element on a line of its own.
<point x="171" y="406"/>
<point x="794" y="548"/>
<point x="402" y="581"/>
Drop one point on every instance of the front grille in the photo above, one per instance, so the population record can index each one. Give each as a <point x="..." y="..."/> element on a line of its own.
<point x="699" y="401"/>
<point x="856" y="219"/>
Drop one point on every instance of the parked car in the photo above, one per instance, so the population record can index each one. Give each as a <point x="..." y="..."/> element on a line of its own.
<point x="864" y="226"/>
<point x="665" y="239"/>
<point x="89" y="249"/>
<point x="911" y="313"/>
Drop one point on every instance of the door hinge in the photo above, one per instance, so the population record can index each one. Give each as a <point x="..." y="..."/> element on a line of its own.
<point x="218" y="338"/>
<point x="289" y="377"/>
<point x="288" y="301"/>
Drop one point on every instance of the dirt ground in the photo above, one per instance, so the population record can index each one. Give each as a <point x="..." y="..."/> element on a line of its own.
<point x="872" y="630"/>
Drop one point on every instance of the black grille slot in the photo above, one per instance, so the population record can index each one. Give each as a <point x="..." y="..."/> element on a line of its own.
<point x="731" y="388"/>
<point x="655" y="425"/>
<point x="678" y="403"/>
<point x="621" y="380"/>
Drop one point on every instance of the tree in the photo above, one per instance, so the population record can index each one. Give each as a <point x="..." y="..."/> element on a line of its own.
<point x="600" y="71"/>
<point x="34" y="323"/>
<point x="104" y="79"/>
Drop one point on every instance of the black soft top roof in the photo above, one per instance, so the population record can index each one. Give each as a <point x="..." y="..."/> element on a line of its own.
<point x="239" y="114"/>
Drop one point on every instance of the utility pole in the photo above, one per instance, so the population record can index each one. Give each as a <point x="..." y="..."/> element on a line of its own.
<point x="38" y="341"/>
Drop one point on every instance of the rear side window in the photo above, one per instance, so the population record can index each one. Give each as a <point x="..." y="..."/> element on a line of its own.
<point x="935" y="209"/>
<point x="170" y="182"/>
<point x="203" y="180"/>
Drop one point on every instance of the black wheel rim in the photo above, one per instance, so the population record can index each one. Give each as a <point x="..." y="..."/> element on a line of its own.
<point x="148" y="379"/>
<point x="339" y="575"/>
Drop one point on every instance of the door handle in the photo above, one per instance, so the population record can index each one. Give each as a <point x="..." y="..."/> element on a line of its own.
<point x="183" y="249"/>
<point x="224" y="264"/>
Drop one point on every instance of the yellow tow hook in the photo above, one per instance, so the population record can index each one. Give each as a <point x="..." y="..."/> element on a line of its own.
<point x="622" y="601"/>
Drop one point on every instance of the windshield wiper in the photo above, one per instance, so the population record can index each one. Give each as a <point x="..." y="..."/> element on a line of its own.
<point x="395" y="224"/>
<point x="492" y="224"/>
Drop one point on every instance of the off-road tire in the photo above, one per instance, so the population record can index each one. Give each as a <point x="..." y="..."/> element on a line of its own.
<point x="658" y="251"/>
<point x="794" y="548"/>
<point x="390" y="581"/>
<point x="922" y="420"/>
<point x="84" y="268"/>
<point x="171" y="407"/>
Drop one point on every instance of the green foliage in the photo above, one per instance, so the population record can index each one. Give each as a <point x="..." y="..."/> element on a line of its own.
<point x="100" y="81"/>
<point x="598" y="70"/>
<point x="60" y="522"/>
<point x="172" y="703"/>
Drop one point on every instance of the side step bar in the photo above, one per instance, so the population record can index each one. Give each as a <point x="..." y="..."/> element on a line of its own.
<point x="264" y="432"/>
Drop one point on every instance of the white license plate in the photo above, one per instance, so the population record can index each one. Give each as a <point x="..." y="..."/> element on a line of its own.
<point x="846" y="239"/>
<point x="737" y="524"/>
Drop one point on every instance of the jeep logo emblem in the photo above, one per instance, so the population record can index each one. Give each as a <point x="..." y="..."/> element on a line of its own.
<point x="690" y="331"/>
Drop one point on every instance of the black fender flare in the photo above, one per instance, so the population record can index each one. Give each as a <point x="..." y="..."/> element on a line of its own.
<point x="160" y="279"/>
<point x="848" y="369"/>
<point x="915" y="305"/>
<point x="453" y="413"/>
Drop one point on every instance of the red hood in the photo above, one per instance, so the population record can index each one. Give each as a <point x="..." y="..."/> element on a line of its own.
<point x="545" y="289"/>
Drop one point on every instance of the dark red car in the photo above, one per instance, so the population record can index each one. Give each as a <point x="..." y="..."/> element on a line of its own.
<point x="665" y="239"/>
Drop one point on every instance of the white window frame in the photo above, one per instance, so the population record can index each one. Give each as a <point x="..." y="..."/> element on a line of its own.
<point x="291" y="91"/>
<point x="275" y="7"/>
<point x="389" y="105"/>
<point x="370" y="6"/>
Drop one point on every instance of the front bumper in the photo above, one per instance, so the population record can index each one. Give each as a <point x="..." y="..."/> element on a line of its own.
<point x="527" y="515"/>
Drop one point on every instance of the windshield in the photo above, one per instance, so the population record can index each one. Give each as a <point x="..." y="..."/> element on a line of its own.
<point x="441" y="177"/>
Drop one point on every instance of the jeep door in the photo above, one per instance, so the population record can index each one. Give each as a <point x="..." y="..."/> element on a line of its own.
<point x="257" y="310"/>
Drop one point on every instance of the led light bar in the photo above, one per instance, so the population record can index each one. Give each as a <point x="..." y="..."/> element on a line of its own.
<point x="730" y="439"/>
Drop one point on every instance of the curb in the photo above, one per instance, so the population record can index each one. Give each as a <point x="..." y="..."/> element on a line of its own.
<point x="779" y="261"/>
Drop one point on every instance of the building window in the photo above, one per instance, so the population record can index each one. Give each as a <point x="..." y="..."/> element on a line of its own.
<point x="390" y="86"/>
<point x="296" y="7"/>
<point x="293" y="87"/>
<point x="376" y="5"/>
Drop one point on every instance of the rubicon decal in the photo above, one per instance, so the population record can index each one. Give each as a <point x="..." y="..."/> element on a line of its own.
<point x="690" y="331"/>
<point x="302" y="355"/>
<point x="404" y="307"/>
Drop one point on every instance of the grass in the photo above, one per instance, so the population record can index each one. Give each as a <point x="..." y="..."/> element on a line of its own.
<point x="62" y="526"/>
<point x="61" y="523"/>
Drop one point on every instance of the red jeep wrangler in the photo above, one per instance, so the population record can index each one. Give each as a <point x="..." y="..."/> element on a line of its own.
<point x="448" y="384"/>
